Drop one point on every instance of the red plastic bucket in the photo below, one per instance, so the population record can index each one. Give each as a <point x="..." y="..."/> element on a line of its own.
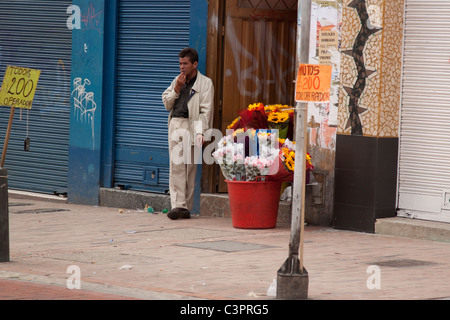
<point x="254" y="204"/>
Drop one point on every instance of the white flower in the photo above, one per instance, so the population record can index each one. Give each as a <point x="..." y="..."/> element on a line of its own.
<point x="235" y="166"/>
<point x="289" y="144"/>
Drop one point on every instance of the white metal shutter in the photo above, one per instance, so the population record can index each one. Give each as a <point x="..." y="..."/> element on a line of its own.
<point x="34" y="34"/>
<point x="424" y="155"/>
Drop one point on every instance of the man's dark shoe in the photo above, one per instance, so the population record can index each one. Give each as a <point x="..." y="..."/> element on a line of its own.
<point x="179" y="213"/>
<point x="172" y="215"/>
<point x="184" y="214"/>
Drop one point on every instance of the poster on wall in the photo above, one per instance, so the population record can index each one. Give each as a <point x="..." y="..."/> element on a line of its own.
<point x="313" y="83"/>
<point x="324" y="50"/>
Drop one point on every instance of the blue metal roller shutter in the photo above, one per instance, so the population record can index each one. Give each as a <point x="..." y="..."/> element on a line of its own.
<point x="151" y="33"/>
<point x="34" y="34"/>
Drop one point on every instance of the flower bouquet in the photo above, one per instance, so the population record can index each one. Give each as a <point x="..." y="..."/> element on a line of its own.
<point x="281" y="117"/>
<point x="253" y="198"/>
<point x="279" y="121"/>
<point x="253" y="117"/>
<point x="288" y="154"/>
<point x="236" y="166"/>
<point x="230" y="156"/>
<point x="256" y="163"/>
<point x="253" y="149"/>
<point x="257" y="116"/>
<point x="260" y="166"/>
<point x="287" y="158"/>
<point x="283" y="170"/>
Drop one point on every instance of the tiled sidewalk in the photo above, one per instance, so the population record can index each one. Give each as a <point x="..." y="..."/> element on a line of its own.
<point x="137" y="255"/>
<point x="24" y="290"/>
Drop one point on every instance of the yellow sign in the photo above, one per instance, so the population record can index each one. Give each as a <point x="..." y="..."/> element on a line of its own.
<point x="19" y="86"/>
<point x="313" y="83"/>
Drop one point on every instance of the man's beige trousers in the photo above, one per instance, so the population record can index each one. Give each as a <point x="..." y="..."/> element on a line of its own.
<point x="182" y="167"/>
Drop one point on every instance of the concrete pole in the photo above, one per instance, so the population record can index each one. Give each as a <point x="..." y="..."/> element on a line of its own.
<point x="292" y="280"/>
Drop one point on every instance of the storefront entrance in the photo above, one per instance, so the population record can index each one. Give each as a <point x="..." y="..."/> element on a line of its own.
<point x="148" y="46"/>
<point x="424" y="161"/>
<point x="34" y="34"/>
<point x="259" y="50"/>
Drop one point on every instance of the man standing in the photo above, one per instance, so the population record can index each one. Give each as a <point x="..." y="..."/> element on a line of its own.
<point x="190" y="102"/>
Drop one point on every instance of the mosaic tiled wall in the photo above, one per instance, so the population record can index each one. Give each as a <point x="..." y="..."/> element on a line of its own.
<point x="371" y="53"/>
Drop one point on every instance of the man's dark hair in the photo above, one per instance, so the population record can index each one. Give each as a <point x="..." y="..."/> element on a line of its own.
<point x="191" y="53"/>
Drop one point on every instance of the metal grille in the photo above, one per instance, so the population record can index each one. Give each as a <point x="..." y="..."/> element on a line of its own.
<point x="151" y="34"/>
<point x="424" y="160"/>
<point x="34" y="34"/>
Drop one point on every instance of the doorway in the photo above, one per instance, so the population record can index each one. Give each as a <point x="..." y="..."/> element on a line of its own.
<point x="259" y="57"/>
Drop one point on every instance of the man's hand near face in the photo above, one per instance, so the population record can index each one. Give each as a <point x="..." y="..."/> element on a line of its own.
<point x="181" y="80"/>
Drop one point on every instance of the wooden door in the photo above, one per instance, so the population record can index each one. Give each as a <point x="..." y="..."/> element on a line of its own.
<point x="259" y="56"/>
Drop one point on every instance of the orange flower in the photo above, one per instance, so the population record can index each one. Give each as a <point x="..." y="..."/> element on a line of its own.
<point x="255" y="106"/>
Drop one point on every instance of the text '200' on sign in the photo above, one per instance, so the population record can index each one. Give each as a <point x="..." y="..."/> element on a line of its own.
<point x="313" y="83"/>
<point x="19" y="86"/>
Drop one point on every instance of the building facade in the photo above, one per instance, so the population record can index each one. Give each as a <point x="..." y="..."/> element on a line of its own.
<point x="379" y="147"/>
<point x="369" y="112"/>
<point x="392" y="146"/>
<point x="97" y="119"/>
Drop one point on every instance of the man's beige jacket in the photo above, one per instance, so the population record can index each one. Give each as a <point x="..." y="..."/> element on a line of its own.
<point x="200" y="105"/>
